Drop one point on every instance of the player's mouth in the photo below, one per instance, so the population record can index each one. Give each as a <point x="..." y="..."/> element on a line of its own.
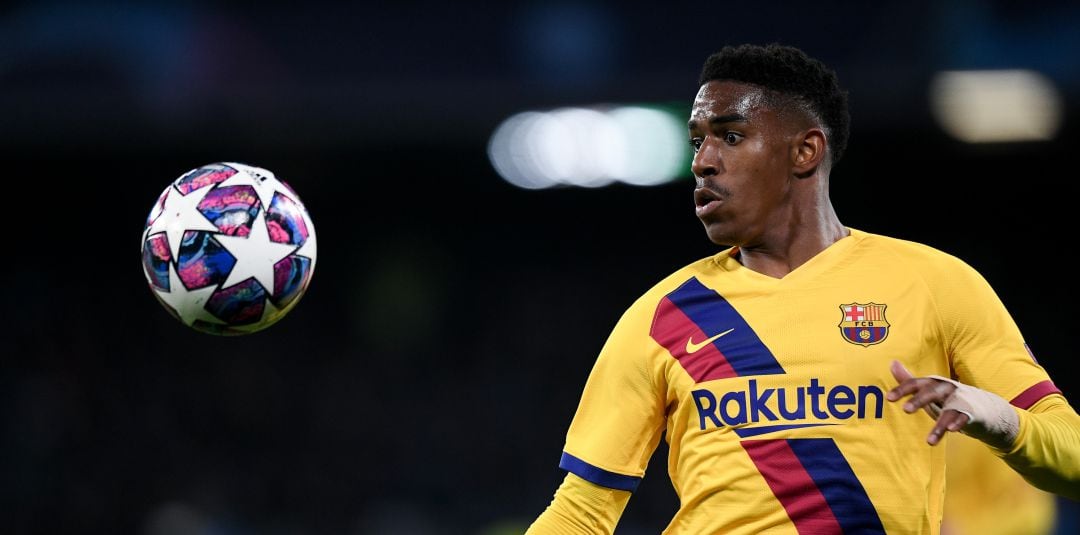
<point x="705" y="201"/>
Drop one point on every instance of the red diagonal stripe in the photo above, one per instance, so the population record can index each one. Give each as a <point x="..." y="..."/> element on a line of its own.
<point x="793" y="486"/>
<point x="671" y="328"/>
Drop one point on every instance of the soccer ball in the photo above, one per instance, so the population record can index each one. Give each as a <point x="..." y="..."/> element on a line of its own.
<point x="228" y="249"/>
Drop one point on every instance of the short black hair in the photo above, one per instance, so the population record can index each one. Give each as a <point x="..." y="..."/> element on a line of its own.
<point x="791" y="72"/>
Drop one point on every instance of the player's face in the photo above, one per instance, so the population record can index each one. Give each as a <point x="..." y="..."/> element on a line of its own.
<point x="741" y="164"/>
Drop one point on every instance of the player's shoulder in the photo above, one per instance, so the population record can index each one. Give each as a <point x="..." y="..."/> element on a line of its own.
<point x="912" y="253"/>
<point x="700" y="268"/>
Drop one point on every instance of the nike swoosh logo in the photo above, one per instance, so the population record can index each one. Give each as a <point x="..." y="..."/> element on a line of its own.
<point x="692" y="347"/>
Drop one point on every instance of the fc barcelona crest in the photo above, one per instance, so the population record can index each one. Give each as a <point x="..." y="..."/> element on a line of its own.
<point x="863" y="323"/>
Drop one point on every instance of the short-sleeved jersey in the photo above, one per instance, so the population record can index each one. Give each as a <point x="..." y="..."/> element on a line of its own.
<point x="771" y="392"/>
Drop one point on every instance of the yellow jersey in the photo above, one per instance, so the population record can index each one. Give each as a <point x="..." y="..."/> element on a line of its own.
<point x="771" y="392"/>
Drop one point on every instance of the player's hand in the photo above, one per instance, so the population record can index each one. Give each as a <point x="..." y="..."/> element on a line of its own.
<point x="955" y="406"/>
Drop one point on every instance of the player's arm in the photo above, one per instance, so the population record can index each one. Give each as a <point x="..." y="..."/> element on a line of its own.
<point x="1047" y="447"/>
<point x="618" y="423"/>
<point x="581" y="507"/>
<point x="1035" y="431"/>
<point x="1042" y="443"/>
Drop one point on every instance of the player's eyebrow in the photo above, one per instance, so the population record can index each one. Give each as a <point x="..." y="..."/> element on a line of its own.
<point x="720" y="119"/>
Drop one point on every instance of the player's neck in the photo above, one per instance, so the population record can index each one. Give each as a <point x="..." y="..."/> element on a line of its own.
<point x="785" y="252"/>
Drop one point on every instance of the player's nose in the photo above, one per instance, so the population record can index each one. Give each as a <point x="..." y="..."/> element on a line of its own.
<point x="706" y="160"/>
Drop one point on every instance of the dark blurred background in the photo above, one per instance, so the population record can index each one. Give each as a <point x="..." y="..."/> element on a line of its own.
<point x="425" y="382"/>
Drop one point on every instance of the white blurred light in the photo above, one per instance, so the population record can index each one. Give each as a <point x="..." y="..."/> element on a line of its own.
<point x="511" y="157"/>
<point x="558" y="142"/>
<point x="996" y="106"/>
<point x="541" y="141"/>
<point x="655" y="145"/>
<point x="589" y="147"/>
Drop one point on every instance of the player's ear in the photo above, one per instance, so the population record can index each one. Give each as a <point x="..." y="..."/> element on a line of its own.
<point x="807" y="151"/>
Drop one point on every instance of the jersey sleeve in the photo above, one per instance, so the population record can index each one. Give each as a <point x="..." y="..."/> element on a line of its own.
<point x="984" y="344"/>
<point x="1047" y="449"/>
<point x="620" y="416"/>
<point x="988" y="351"/>
<point x="580" y="507"/>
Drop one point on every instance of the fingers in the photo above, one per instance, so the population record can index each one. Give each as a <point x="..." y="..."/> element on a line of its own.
<point x="949" y="420"/>
<point x="904" y="377"/>
<point x="900" y="372"/>
<point x="930" y="395"/>
<point x="925" y="392"/>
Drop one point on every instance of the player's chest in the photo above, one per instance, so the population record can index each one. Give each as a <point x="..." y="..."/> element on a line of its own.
<point x="836" y="328"/>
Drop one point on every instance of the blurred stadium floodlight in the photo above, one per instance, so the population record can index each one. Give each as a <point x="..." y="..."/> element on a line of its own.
<point x="590" y="147"/>
<point x="996" y="106"/>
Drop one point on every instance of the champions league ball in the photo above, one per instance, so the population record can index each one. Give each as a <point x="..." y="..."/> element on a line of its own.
<point x="228" y="249"/>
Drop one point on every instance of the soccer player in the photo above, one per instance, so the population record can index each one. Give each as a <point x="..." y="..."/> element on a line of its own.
<point x="790" y="372"/>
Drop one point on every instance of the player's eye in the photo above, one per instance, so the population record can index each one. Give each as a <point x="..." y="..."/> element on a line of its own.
<point x="695" y="144"/>
<point x="732" y="138"/>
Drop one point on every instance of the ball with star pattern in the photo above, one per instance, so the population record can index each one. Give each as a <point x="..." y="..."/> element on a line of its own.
<point x="228" y="249"/>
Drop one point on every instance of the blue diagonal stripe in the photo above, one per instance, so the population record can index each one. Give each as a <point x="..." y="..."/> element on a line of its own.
<point x="742" y="348"/>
